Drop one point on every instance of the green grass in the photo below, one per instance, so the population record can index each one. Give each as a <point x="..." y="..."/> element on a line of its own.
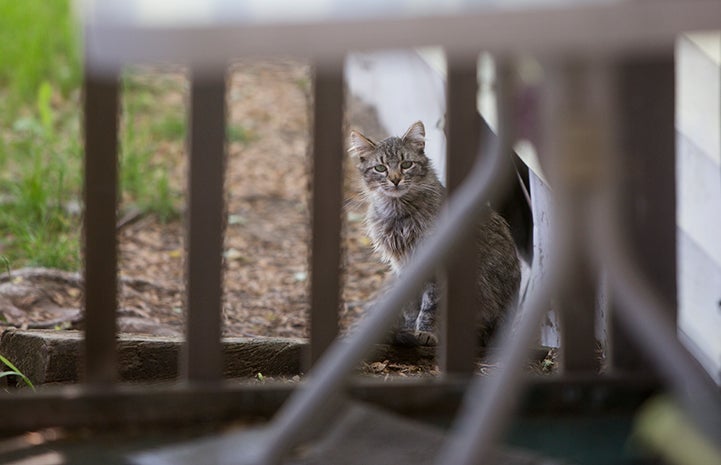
<point x="148" y="127"/>
<point x="40" y="137"/>
<point x="170" y="127"/>
<point x="40" y="166"/>
<point x="238" y="134"/>
<point x="13" y="371"/>
<point x="37" y="44"/>
<point x="39" y="134"/>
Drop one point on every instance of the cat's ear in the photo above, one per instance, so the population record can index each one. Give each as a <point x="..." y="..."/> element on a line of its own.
<point x="416" y="136"/>
<point x="360" y="145"/>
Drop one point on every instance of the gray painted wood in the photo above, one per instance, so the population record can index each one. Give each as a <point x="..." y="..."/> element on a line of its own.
<point x="121" y="32"/>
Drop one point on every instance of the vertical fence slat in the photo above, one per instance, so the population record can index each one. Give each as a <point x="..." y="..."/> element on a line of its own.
<point x="647" y="136"/>
<point x="101" y="197"/>
<point x="203" y="351"/>
<point x="459" y="337"/>
<point x="577" y="136"/>
<point x="577" y="318"/>
<point x="326" y="204"/>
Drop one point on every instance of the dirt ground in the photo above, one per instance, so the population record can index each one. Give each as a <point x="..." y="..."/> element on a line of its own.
<point x="267" y="235"/>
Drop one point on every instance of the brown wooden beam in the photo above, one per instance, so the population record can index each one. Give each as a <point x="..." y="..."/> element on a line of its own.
<point x="205" y="224"/>
<point x="459" y="336"/>
<point x="327" y="198"/>
<point x="647" y="191"/>
<point x="100" y="121"/>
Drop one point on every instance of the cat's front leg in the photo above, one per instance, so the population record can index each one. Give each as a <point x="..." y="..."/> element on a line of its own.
<point x="425" y="325"/>
<point x="404" y="333"/>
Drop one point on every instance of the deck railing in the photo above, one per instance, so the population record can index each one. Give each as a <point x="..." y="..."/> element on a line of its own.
<point x="608" y="125"/>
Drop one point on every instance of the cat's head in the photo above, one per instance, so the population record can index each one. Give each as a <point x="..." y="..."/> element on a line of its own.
<point x="394" y="166"/>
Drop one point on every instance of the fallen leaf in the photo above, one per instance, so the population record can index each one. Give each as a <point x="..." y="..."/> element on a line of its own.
<point x="378" y="367"/>
<point x="233" y="254"/>
<point x="237" y="219"/>
<point x="176" y="253"/>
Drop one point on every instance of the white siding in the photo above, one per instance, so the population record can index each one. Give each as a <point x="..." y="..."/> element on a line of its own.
<point x="699" y="196"/>
<point x="403" y="88"/>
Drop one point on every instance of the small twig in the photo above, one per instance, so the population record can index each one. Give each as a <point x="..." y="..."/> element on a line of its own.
<point x="52" y="324"/>
<point x="50" y="274"/>
<point x="145" y="283"/>
<point x="76" y="279"/>
<point x="72" y="320"/>
<point x="129" y="218"/>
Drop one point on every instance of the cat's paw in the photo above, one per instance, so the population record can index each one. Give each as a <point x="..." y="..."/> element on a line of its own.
<point x="426" y="338"/>
<point x="411" y="338"/>
<point x="405" y="338"/>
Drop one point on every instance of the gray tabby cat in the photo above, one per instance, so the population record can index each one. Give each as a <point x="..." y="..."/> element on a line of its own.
<point x="404" y="199"/>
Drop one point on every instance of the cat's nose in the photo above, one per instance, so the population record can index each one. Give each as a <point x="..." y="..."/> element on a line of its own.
<point x="395" y="180"/>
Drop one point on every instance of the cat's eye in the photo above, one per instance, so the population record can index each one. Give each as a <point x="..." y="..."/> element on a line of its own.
<point x="380" y="168"/>
<point x="406" y="164"/>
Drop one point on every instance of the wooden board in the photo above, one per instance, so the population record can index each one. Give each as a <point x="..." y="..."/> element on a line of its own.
<point x="54" y="356"/>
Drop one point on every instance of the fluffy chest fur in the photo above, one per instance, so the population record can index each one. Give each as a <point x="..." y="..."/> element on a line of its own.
<point x="402" y="189"/>
<point x="396" y="225"/>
